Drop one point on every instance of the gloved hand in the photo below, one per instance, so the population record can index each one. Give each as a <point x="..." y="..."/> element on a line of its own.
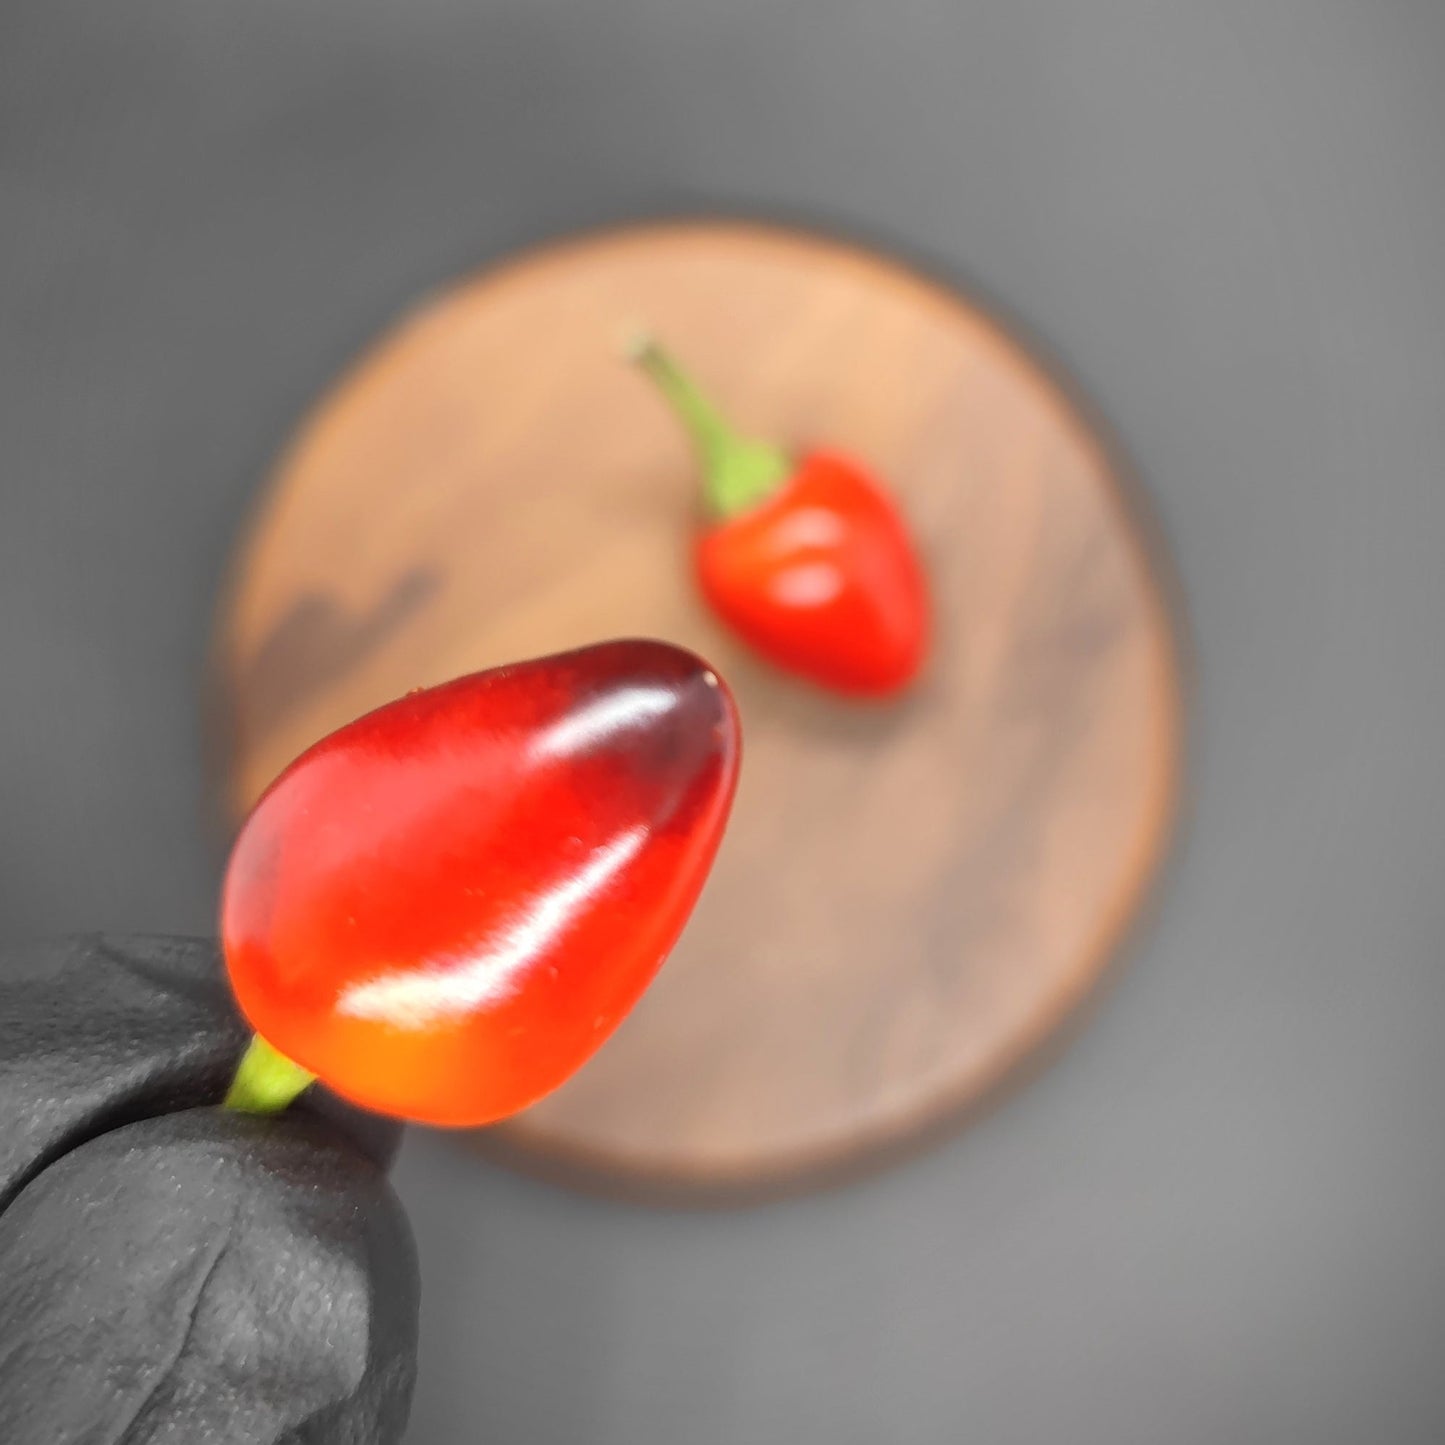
<point x="171" y="1272"/>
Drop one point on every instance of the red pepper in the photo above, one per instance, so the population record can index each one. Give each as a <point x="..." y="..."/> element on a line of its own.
<point x="444" y="908"/>
<point x="811" y="564"/>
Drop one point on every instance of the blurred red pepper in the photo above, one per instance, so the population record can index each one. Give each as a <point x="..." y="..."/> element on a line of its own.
<point x="810" y="563"/>
<point x="444" y="908"/>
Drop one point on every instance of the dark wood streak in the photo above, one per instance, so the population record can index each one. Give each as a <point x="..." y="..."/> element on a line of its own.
<point x="315" y="643"/>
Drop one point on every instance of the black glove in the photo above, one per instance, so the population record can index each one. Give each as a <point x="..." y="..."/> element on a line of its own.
<point x="171" y="1272"/>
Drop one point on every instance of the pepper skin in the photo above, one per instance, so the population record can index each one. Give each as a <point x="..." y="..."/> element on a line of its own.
<point x="444" y="908"/>
<point x="810" y="563"/>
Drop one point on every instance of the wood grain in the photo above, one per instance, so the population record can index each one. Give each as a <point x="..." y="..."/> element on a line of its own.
<point x="912" y="898"/>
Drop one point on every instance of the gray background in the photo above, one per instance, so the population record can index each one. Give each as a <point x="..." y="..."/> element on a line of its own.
<point x="1219" y="1217"/>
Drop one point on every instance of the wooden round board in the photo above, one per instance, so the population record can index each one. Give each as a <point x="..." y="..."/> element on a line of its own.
<point x="911" y="898"/>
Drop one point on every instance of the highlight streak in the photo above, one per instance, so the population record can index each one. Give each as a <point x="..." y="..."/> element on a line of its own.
<point x="459" y="984"/>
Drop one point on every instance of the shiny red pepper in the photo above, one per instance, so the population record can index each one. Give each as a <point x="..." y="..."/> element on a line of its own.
<point x="810" y="563"/>
<point x="444" y="908"/>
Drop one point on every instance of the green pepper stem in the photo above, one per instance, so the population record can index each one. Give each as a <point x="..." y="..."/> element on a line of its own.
<point x="266" y="1080"/>
<point x="738" y="472"/>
